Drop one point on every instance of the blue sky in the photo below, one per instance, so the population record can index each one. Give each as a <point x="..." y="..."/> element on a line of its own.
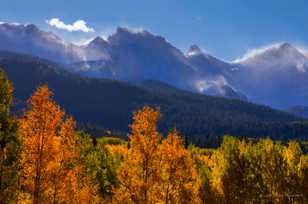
<point x="225" y="28"/>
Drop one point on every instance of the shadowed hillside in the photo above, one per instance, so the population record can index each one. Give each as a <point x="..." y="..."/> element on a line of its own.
<point x="109" y="104"/>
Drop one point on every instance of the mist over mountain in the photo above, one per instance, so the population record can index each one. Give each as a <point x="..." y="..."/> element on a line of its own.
<point x="108" y="104"/>
<point x="29" y="39"/>
<point x="125" y="55"/>
<point x="275" y="75"/>
<point x="216" y="78"/>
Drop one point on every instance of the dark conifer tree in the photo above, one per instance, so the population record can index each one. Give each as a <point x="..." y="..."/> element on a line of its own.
<point x="9" y="143"/>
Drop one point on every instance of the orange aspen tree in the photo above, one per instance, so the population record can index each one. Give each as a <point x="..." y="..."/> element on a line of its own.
<point x="49" y="154"/>
<point x="38" y="130"/>
<point x="178" y="182"/>
<point x="139" y="173"/>
<point x="154" y="171"/>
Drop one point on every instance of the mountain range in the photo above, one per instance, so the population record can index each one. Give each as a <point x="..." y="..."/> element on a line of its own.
<point x="275" y="75"/>
<point x="105" y="104"/>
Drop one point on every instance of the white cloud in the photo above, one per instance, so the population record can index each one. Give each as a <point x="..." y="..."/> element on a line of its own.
<point x="215" y="85"/>
<point x="11" y="23"/>
<point x="79" y="25"/>
<point x="255" y="52"/>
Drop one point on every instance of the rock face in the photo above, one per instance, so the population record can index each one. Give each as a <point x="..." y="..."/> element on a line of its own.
<point x="275" y="75"/>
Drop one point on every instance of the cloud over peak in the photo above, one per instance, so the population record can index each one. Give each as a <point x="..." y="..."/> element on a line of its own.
<point x="257" y="51"/>
<point x="79" y="25"/>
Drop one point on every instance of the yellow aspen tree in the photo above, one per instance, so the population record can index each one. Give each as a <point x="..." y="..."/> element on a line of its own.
<point x="217" y="163"/>
<point x="178" y="183"/>
<point x="295" y="172"/>
<point x="272" y="167"/>
<point x="139" y="173"/>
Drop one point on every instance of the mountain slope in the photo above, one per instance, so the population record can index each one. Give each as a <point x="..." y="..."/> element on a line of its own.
<point x="215" y="74"/>
<point x="276" y="75"/>
<point x="110" y="103"/>
<point x="301" y="111"/>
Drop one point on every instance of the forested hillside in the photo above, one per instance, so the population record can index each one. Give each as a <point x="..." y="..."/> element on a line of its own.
<point x="108" y="104"/>
<point x="44" y="160"/>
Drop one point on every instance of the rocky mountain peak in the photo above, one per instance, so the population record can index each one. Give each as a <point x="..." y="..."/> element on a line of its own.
<point x="194" y="50"/>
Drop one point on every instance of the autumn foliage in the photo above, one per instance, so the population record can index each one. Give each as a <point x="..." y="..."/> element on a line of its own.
<point x="155" y="170"/>
<point x="45" y="160"/>
<point x="49" y="157"/>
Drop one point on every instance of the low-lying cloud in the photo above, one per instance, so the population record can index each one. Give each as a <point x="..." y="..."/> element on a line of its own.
<point x="79" y="25"/>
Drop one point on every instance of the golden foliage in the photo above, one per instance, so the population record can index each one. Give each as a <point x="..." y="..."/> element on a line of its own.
<point x="119" y="150"/>
<point x="155" y="171"/>
<point x="178" y="177"/>
<point x="49" y="155"/>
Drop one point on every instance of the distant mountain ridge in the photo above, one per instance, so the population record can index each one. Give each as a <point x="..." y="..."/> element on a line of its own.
<point x="109" y="103"/>
<point x="125" y="55"/>
<point x="275" y="75"/>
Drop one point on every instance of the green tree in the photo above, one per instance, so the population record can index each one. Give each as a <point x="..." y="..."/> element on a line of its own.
<point x="98" y="164"/>
<point x="233" y="178"/>
<point x="9" y="143"/>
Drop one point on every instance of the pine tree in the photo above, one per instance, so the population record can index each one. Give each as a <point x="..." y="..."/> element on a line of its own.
<point x="9" y="143"/>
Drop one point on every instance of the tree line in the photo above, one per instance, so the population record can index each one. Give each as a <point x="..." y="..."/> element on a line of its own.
<point x="43" y="159"/>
